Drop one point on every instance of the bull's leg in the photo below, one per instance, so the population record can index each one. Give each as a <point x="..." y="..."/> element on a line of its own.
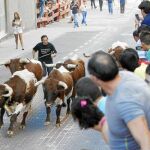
<point x="58" y="110"/>
<point x="48" y="111"/>
<point x="11" y="127"/>
<point x="23" y="122"/>
<point x="68" y="106"/>
<point x="1" y="117"/>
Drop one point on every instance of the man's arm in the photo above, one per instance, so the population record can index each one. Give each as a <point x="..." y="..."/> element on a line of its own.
<point x="33" y="53"/>
<point x="139" y="130"/>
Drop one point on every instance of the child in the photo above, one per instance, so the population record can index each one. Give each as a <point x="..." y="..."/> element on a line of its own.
<point x="88" y="93"/>
<point x="145" y="41"/>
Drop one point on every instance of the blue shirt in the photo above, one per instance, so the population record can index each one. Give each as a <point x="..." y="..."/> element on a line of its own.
<point x="110" y="1"/>
<point x="130" y="100"/>
<point x="146" y="20"/>
<point x="122" y="1"/>
<point x="101" y="104"/>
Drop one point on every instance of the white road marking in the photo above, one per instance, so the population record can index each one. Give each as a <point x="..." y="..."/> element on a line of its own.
<point x="71" y="53"/>
<point x="86" y="43"/>
<point x="76" y="50"/>
<point x="65" y="57"/>
<point x="81" y="46"/>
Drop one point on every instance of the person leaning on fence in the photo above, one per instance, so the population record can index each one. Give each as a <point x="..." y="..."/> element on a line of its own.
<point x="18" y="29"/>
<point x="127" y="105"/>
<point x="45" y="51"/>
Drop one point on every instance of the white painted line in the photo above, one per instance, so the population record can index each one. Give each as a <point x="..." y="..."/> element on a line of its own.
<point x="76" y="50"/>
<point x="71" y="53"/>
<point x="81" y="46"/>
<point x="90" y="41"/>
<point x="86" y="43"/>
<point x="65" y="57"/>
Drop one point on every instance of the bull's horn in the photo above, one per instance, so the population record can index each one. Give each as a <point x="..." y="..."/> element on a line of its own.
<point x="63" y="84"/>
<point x="24" y="60"/>
<point x="9" y="89"/>
<point x="86" y="55"/>
<point x="50" y="65"/>
<point x="40" y="82"/>
<point x="71" y="66"/>
<point x="112" y="52"/>
<point x="6" y="63"/>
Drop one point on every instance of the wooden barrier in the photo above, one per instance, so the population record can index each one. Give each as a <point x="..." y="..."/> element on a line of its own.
<point x="56" y="12"/>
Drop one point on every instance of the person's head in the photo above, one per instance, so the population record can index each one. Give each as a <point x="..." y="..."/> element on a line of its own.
<point x="129" y="59"/>
<point x="144" y="7"/>
<point x="143" y="28"/>
<point x="136" y="35"/>
<point x="85" y="87"/>
<point x="16" y="16"/>
<point x="44" y="39"/>
<point x="102" y="67"/>
<point x="145" y="40"/>
<point x="85" y="112"/>
<point x="147" y="75"/>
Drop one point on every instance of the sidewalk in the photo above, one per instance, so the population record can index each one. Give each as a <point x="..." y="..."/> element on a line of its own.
<point x="31" y="38"/>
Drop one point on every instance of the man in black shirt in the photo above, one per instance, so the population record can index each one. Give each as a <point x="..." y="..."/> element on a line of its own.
<point x="45" y="51"/>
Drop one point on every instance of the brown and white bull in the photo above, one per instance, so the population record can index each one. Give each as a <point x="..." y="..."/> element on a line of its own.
<point x="32" y="65"/>
<point x="17" y="94"/>
<point x="58" y="88"/>
<point x="75" y="66"/>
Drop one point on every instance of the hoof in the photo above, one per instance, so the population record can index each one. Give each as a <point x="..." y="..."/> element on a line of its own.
<point x="58" y="125"/>
<point x="22" y="127"/>
<point x="10" y="133"/>
<point x="47" y="123"/>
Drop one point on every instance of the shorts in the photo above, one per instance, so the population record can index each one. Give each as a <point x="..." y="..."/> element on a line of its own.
<point x="18" y="30"/>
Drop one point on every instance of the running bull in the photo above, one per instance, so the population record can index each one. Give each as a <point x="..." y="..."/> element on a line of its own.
<point x="17" y="94"/>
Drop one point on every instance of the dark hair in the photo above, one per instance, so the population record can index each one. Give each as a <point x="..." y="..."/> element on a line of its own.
<point x="143" y="28"/>
<point x="87" y="114"/>
<point x="44" y="36"/>
<point x="85" y="87"/>
<point x="103" y="66"/>
<point x="145" y="6"/>
<point x="129" y="59"/>
<point x="148" y="70"/>
<point x="135" y="33"/>
<point x="145" y="38"/>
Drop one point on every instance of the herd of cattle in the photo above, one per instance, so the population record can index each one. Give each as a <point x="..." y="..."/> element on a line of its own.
<point x="17" y="93"/>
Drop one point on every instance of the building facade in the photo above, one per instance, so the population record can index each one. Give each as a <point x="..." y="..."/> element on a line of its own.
<point x="26" y="9"/>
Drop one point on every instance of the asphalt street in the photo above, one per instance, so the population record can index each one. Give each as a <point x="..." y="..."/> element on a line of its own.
<point x="102" y="30"/>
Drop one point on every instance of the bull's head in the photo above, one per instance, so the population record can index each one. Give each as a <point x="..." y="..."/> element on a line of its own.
<point x="68" y="66"/>
<point x="16" y="64"/>
<point x="5" y="93"/>
<point x="53" y="89"/>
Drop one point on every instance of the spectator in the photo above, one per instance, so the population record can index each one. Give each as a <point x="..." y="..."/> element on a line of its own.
<point x="122" y="6"/>
<point x="85" y="87"/>
<point x="18" y="29"/>
<point x="145" y="40"/>
<point x="147" y="76"/>
<point x="93" y="4"/>
<point x="101" y="5"/>
<point x="75" y="10"/>
<point x="88" y="115"/>
<point x="110" y="6"/>
<point x="129" y="59"/>
<point x="145" y="10"/>
<point x="42" y="4"/>
<point x="127" y="105"/>
<point x="45" y="51"/>
<point x="84" y="12"/>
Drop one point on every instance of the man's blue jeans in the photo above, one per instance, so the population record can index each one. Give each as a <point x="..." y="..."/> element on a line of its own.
<point x="84" y="14"/>
<point x="75" y="17"/>
<point x="110" y="8"/>
<point x="41" y="8"/>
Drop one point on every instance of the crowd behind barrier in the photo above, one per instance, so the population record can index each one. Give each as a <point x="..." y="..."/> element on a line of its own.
<point x="52" y="11"/>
